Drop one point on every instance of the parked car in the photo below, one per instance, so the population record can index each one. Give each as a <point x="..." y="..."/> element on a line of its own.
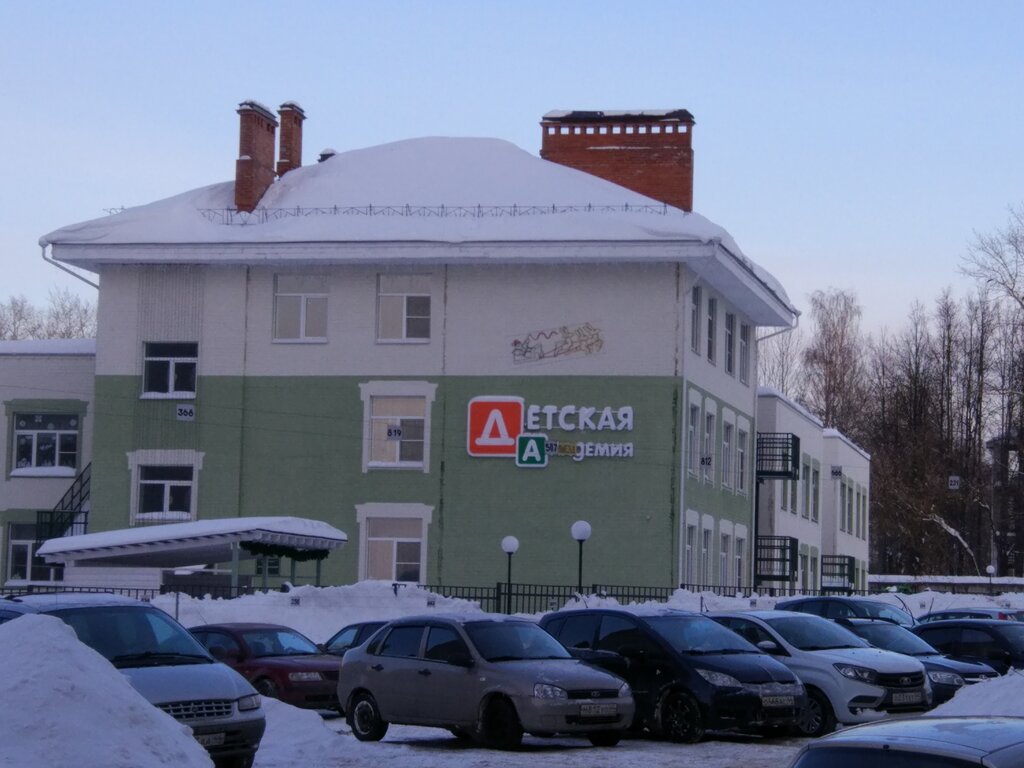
<point x="1003" y="614"/>
<point x="351" y="636"/>
<point x="486" y="677"/>
<point x="947" y="675"/>
<point x="166" y="665"/>
<point x="280" y="662"/>
<point x="842" y="607"/>
<point x="995" y="642"/>
<point x="920" y="742"/>
<point x="847" y="680"/>
<point x="688" y="674"/>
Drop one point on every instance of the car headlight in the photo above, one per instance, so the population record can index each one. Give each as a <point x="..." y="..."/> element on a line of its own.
<point x="305" y="677"/>
<point x="862" y="674"/>
<point x="625" y="691"/>
<point x="719" y="679"/>
<point x="249" y="703"/>
<point x="545" y="691"/>
<point x="946" y="678"/>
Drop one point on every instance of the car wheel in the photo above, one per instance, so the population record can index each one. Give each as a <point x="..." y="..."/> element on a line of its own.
<point x="501" y="726"/>
<point x="817" y="717"/>
<point x="364" y="719"/>
<point x="681" y="718"/>
<point x="605" y="738"/>
<point x="266" y="687"/>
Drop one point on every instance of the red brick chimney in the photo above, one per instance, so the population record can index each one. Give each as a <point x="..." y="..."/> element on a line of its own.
<point x="290" y="153"/>
<point x="254" y="169"/>
<point x="649" y="152"/>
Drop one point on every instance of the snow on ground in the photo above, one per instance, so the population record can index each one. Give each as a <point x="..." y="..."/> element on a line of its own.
<point x="66" y="706"/>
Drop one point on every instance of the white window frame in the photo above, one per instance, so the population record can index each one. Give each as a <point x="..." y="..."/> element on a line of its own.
<point x="727" y="430"/>
<point x="371" y="510"/>
<point x="693" y="444"/>
<point x="744" y="365"/>
<point x="173" y="363"/>
<point x="418" y="389"/>
<point x="730" y="343"/>
<point x="739" y="556"/>
<point x="805" y="481"/>
<point x="815" y="493"/>
<point x="742" y="437"/>
<point x="30" y="424"/>
<point x="707" y="533"/>
<point x="708" y="452"/>
<point x="404" y="295"/>
<point x="712" y="329"/>
<point x="696" y="306"/>
<point x="690" y="544"/>
<point x="162" y="458"/>
<point x="306" y="297"/>
<point x="55" y="570"/>
<point x="724" y="556"/>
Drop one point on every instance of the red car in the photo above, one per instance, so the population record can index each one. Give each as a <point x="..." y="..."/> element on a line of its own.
<point x="279" y="662"/>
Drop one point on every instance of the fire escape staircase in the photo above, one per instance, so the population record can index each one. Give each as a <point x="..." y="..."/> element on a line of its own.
<point x="775" y="557"/>
<point x="71" y="514"/>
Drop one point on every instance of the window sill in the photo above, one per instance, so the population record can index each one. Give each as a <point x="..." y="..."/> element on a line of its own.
<point x="162" y="517"/>
<point x="380" y="465"/>
<point x="167" y="396"/>
<point x="403" y="341"/>
<point x="308" y="340"/>
<point x="44" y="472"/>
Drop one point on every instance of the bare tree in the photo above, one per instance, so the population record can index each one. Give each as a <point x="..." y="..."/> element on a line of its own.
<point x="780" y="362"/>
<point x="833" y="369"/>
<point x="19" y="319"/>
<point x="67" y="317"/>
<point x="996" y="261"/>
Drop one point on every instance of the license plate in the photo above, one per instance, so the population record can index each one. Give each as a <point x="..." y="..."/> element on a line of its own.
<point x="777" y="701"/>
<point x="906" y="698"/>
<point x="592" y="710"/>
<point x="210" y="739"/>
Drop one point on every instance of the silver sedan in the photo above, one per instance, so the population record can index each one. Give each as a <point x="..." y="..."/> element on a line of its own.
<point x="484" y="677"/>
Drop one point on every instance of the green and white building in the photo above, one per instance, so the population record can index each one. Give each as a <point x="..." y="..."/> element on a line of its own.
<point x="431" y="345"/>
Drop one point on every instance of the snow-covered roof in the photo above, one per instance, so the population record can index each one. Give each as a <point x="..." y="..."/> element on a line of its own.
<point x="201" y="541"/>
<point x="486" y="200"/>
<point x="763" y="391"/>
<point x="835" y="434"/>
<point x="48" y="347"/>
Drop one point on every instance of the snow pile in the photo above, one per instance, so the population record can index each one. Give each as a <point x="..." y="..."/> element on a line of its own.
<point x="317" y="612"/>
<point x="299" y="737"/>
<point x="64" y="705"/>
<point x="999" y="696"/>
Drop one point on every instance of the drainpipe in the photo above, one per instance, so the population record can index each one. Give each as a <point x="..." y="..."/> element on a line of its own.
<point x="58" y="265"/>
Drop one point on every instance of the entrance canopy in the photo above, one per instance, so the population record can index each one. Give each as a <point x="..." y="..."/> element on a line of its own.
<point x="204" y="541"/>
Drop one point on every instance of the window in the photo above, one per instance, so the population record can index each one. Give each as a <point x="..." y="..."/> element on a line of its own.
<point x="707" y="458"/>
<point x="23" y="565"/>
<point x="273" y="565"/>
<point x="741" y="461"/>
<point x="164" y="483"/>
<point x="393" y="541"/>
<point x="723" y="559"/>
<point x="815" y="493"/>
<point x="695" y="305"/>
<point x="692" y="449"/>
<point x="814" y="573"/>
<point x="744" y="353"/>
<point x="712" y="329"/>
<point x="727" y="479"/>
<point x="849" y="509"/>
<point x="738" y="555"/>
<point x="805" y="480"/>
<point x="791" y="485"/>
<point x="45" y="444"/>
<point x="300" y="308"/>
<point x="169" y="369"/>
<point x="402" y="642"/>
<point x="403" y="308"/>
<point x="691" y="554"/>
<point x="730" y="343"/>
<point x="705" y="557"/>
<point x="396" y="430"/>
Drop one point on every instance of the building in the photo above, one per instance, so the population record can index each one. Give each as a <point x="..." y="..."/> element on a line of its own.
<point x="434" y="344"/>
<point x="813" y="518"/>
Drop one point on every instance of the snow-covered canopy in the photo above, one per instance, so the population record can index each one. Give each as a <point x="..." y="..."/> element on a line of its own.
<point x="485" y="200"/>
<point x="48" y="347"/>
<point x="182" y="544"/>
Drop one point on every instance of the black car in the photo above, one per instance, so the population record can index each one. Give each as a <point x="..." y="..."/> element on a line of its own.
<point x="995" y="642"/>
<point x="841" y="607"/>
<point x="947" y="675"/>
<point x="688" y="673"/>
<point x="1004" y="614"/>
<point x="350" y="636"/>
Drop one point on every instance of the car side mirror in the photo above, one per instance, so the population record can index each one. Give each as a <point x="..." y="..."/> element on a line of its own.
<point x="770" y="646"/>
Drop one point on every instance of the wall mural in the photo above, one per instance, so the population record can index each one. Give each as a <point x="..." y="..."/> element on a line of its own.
<point x="566" y="341"/>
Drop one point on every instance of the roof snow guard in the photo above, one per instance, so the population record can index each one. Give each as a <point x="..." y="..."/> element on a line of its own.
<point x="617" y="116"/>
<point x="180" y="544"/>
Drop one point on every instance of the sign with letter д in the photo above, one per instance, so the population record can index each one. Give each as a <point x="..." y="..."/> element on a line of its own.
<point x="495" y="423"/>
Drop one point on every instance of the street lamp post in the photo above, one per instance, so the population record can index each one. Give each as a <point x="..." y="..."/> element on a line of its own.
<point x="581" y="532"/>
<point x="990" y="570"/>
<point x="509" y="545"/>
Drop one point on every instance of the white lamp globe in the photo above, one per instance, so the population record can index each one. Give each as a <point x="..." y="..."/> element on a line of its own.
<point x="580" y="530"/>
<point x="510" y="545"/>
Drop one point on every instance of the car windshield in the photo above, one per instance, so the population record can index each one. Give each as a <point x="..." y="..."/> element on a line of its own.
<point x="884" y="611"/>
<point x="893" y="637"/>
<point x="134" y="636"/>
<point x="812" y="633"/>
<point x="513" y="640"/>
<point x="699" y="635"/>
<point x="278" y="642"/>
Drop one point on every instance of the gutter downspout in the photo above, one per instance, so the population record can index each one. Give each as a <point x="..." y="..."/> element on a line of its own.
<point x="58" y="265"/>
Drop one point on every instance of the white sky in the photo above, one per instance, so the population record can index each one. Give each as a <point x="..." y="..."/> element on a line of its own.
<point x="855" y="145"/>
<point x="103" y="723"/>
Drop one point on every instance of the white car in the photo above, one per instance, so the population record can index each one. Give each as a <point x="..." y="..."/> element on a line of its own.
<point x="847" y="680"/>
